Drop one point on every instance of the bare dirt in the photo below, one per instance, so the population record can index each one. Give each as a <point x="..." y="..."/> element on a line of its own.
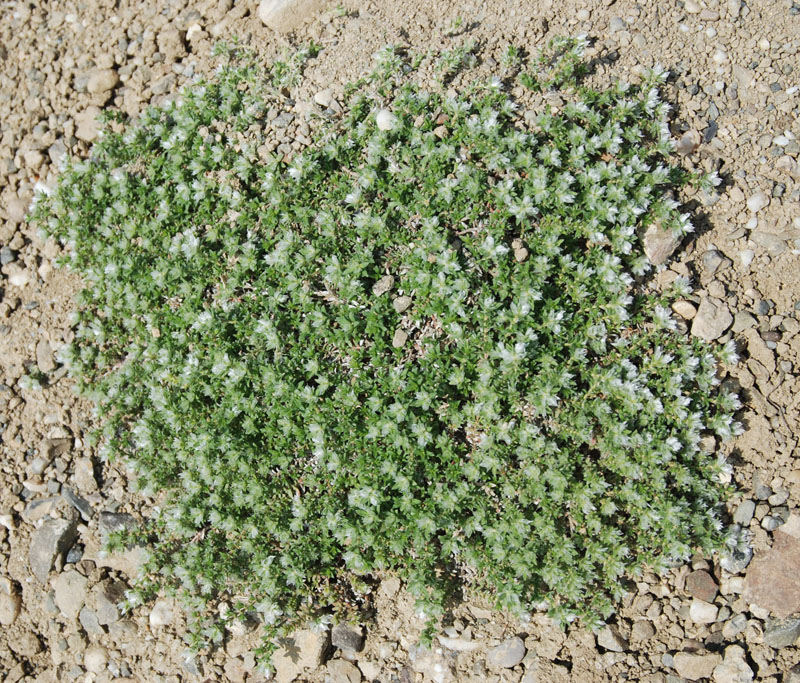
<point x="736" y="83"/>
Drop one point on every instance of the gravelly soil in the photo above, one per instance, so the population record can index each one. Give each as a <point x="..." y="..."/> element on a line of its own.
<point x="735" y="92"/>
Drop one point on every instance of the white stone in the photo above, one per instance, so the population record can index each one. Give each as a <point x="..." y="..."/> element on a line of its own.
<point x="19" y="277"/>
<point x="95" y="659"/>
<point x="285" y="16"/>
<point x="385" y="120"/>
<point x="702" y="612"/>
<point x="757" y="202"/>
<point x="747" y="256"/>
<point x="323" y="97"/>
<point x="734" y="669"/>
<point x="692" y="7"/>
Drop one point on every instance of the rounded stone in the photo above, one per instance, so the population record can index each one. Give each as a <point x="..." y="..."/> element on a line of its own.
<point x="95" y="659"/>
<point x="508" y="654"/>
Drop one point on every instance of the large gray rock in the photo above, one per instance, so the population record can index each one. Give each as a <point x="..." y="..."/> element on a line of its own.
<point x="285" y="16"/>
<point x="507" y="654"/>
<point x="347" y="637"/>
<point x="712" y="319"/>
<point x="609" y="638"/>
<point x="50" y="540"/>
<point x="780" y="633"/>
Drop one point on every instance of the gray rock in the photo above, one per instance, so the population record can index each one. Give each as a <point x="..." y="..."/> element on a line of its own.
<point x="400" y="338"/>
<point x="780" y="633"/>
<point x="283" y="120"/>
<point x="78" y="503"/>
<point x="617" y="24"/>
<point x="659" y="243"/>
<point x="712" y="319"/>
<point x="774" y="244"/>
<point x="734" y="627"/>
<point x="70" y="592"/>
<point x="761" y="488"/>
<point x="714" y="260"/>
<point x="49" y="541"/>
<point x="778" y="498"/>
<point x="105" y="599"/>
<point x="609" y="638"/>
<point x="7" y="255"/>
<point x="115" y="521"/>
<point x="744" y="512"/>
<point x="506" y="655"/>
<point x="75" y="554"/>
<point x="164" y="85"/>
<point x="347" y="637"/>
<point x="57" y="151"/>
<point x="771" y="523"/>
<point x="402" y="303"/>
<point x="742" y="321"/>
<point x="285" y="16"/>
<point x="383" y="285"/>
<point x="88" y="619"/>
<point x="685" y="309"/>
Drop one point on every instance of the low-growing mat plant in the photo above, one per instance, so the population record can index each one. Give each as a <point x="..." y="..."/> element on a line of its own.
<point x="422" y="346"/>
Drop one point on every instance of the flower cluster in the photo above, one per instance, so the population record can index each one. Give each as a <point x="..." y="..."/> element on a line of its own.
<point x="417" y="347"/>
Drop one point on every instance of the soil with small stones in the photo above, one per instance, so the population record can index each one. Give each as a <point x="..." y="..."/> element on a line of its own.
<point x="737" y="105"/>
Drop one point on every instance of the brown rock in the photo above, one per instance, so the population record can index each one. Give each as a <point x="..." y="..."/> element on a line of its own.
<point x="87" y="125"/>
<point x="695" y="666"/>
<point x="772" y="580"/>
<point x="171" y="43"/>
<point x="701" y="585"/>
<point x="25" y="644"/>
<point x="659" y="243"/>
<point x="342" y="671"/>
<point x="712" y="319"/>
<point x="44" y="356"/>
<point x="685" y="309"/>
<point x="102" y="81"/>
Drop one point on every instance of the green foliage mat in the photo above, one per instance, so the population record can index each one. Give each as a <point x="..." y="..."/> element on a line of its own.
<point x="417" y="347"/>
